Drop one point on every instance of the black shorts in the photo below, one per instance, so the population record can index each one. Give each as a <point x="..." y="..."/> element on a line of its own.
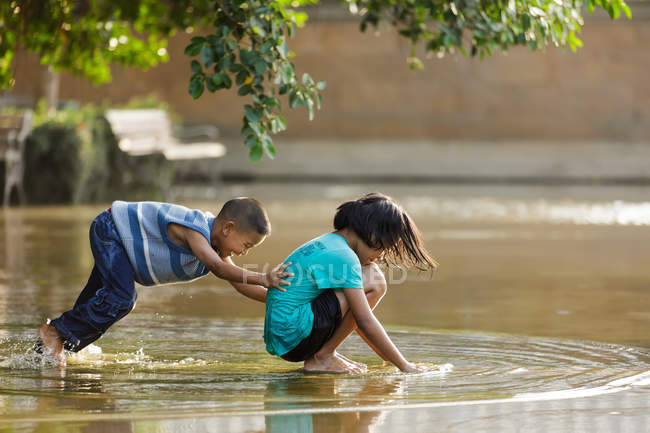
<point x="327" y="317"/>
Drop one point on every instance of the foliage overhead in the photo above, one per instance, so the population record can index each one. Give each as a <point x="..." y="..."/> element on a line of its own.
<point x="246" y="43"/>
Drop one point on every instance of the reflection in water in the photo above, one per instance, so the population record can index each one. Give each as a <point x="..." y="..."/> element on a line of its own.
<point x="82" y="392"/>
<point x="14" y="239"/>
<point x="13" y="272"/>
<point x="308" y="393"/>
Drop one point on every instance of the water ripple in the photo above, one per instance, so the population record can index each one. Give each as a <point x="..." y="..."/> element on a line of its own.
<point x="227" y="371"/>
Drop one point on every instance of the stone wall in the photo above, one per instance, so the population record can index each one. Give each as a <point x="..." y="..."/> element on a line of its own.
<point x="600" y="93"/>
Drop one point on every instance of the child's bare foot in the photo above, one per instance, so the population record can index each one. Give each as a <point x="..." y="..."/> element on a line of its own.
<point x="52" y="343"/>
<point x="360" y="365"/>
<point x="329" y="364"/>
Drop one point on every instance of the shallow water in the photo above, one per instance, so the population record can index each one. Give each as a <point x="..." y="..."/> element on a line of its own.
<point x="536" y="318"/>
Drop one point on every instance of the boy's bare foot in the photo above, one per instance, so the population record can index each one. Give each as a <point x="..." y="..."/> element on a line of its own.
<point x="53" y="343"/>
<point x="329" y="364"/>
<point x="360" y="365"/>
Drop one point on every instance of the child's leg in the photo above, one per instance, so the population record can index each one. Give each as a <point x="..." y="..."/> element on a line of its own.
<point x="326" y="359"/>
<point x="108" y="296"/>
<point x="49" y="336"/>
<point x="94" y="283"/>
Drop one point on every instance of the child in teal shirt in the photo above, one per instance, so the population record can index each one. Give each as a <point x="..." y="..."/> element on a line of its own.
<point x="337" y="283"/>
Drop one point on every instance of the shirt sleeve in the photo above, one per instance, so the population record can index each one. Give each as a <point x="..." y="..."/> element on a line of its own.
<point x="337" y="269"/>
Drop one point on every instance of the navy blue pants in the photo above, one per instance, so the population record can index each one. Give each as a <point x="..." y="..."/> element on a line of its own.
<point x="109" y="294"/>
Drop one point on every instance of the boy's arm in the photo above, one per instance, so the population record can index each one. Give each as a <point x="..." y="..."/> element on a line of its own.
<point x="255" y="292"/>
<point x="373" y="331"/>
<point x="228" y="271"/>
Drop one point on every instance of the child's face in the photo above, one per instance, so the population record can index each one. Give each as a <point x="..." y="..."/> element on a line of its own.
<point x="233" y="242"/>
<point x="368" y="254"/>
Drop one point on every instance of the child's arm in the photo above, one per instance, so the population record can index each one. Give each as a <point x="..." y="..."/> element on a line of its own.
<point x="255" y="292"/>
<point x="373" y="331"/>
<point x="228" y="271"/>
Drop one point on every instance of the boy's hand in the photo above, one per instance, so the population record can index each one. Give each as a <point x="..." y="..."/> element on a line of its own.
<point x="275" y="277"/>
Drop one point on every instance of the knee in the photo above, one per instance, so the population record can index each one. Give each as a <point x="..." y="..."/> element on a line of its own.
<point x="106" y="308"/>
<point x="374" y="282"/>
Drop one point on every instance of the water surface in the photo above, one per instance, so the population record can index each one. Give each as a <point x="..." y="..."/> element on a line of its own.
<point x="537" y="319"/>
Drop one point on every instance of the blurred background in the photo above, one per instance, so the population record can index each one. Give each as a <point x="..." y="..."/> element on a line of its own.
<point x="553" y="116"/>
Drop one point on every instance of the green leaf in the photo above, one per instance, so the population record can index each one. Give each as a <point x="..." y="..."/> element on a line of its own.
<point x="260" y="67"/>
<point x="283" y="49"/>
<point x="252" y="115"/>
<point x="256" y="152"/>
<point x="294" y="100"/>
<point x="626" y="10"/>
<point x="207" y="55"/>
<point x="241" y="77"/>
<point x="211" y="85"/>
<point x="255" y="127"/>
<point x="227" y="82"/>
<point x="235" y="67"/>
<point x="281" y="123"/>
<point x="247" y="57"/>
<point x="590" y="6"/>
<point x="266" y="47"/>
<point x="232" y="44"/>
<point x="306" y="80"/>
<point x="196" y="67"/>
<point x="217" y="79"/>
<point x="251" y="140"/>
<point x="196" y="87"/>
<point x="244" y="90"/>
<point x="223" y="63"/>
<point x="268" y="146"/>
<point x="193" y="50"/>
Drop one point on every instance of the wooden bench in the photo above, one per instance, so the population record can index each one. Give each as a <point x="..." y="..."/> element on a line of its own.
<point x="147" y="131"/>
<point x="14" y="130"/>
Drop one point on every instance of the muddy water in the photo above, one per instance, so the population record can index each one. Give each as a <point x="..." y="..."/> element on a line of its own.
<point x="537" y="320"/>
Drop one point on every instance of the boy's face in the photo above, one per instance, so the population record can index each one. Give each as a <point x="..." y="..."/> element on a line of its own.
<point x="233" y="242"/>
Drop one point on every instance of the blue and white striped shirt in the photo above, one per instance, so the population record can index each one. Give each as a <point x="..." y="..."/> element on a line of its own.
<point x="155" y="258"/>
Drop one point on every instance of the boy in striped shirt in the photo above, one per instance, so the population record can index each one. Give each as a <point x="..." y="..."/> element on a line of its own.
<point x="155" y="243"/>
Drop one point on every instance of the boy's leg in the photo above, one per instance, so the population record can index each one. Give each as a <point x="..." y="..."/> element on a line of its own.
<point x="99" y="307"/>
<point x="326" y="359"/>
<point x="94" y="283"/>
<point x="49" y="336"/>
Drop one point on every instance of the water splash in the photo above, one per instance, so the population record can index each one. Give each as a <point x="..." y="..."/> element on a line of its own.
<point x="19" y="354"/>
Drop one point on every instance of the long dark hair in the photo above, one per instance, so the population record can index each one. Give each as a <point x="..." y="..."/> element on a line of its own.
<point x="382" y="223"/>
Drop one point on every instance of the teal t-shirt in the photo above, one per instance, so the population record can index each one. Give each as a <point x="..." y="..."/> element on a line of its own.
<point x="326" y="262"/>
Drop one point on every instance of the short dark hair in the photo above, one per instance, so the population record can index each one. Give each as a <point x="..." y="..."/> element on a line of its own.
<point x="382" y="223"/>
<point x="247" y="213"/>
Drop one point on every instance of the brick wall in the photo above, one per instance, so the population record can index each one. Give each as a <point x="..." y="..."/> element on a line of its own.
<point x="602" y="92"/>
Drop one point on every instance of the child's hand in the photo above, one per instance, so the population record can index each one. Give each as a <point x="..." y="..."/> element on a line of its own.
<point x="275" y="277"/>
<point x="415" y="368"/>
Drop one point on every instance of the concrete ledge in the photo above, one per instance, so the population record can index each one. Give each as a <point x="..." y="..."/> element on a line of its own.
<point x="423" y="161"/>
